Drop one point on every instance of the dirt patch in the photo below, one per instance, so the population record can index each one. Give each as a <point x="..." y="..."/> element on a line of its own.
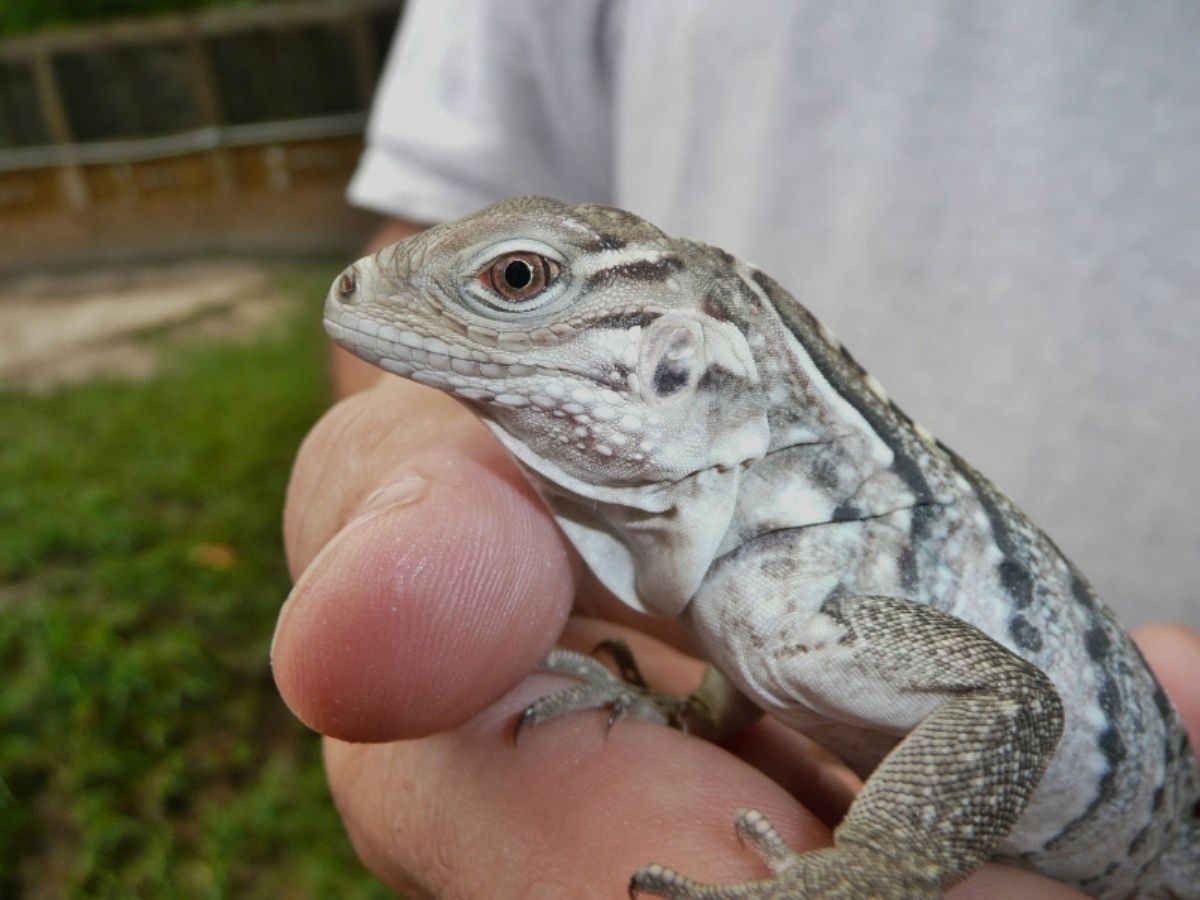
<point x="56" y="329"/>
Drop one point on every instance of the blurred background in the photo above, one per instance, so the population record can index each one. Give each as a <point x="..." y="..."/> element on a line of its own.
<point x="171" y="213"/>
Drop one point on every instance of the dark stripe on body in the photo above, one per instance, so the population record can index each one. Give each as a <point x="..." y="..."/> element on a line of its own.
<point x="804" y="328"/>
<point x="847" y="378"/>
<point x="1025" y="635"/>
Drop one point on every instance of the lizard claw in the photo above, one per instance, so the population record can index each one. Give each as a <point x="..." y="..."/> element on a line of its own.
<point x="523" y="719"/>
<point x="616" y="712"/>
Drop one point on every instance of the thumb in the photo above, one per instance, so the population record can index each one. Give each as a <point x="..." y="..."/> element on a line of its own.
<point x="439" y="594"/>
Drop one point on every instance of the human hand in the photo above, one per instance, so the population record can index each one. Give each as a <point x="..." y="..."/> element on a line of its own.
<point x="433" y="581"/>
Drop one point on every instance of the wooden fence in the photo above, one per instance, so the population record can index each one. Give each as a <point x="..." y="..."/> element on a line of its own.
<point x="183" y="116"/>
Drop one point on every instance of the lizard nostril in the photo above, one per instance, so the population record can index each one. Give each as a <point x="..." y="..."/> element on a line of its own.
<point x="347" y="284"/>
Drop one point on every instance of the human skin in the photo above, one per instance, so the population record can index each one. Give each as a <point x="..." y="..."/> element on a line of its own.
<point x="429" y="582"/>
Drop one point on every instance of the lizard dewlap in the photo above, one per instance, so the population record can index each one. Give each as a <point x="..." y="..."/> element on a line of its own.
<point x="717" y="456"/>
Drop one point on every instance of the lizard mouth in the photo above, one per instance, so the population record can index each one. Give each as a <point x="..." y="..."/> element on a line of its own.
<point x="403" y="351"/>
<point x="485" y="376"/>
<point x="472" y="372"/>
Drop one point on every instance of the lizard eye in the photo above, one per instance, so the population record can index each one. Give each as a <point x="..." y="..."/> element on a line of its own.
<point x="519" y="276"/>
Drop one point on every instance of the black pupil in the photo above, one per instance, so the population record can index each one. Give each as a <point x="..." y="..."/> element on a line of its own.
<point x="518" y="274"/>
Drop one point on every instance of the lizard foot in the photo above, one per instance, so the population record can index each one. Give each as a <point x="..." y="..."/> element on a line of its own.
<point x="847" y="873"/>
<point x="627" y="695"/>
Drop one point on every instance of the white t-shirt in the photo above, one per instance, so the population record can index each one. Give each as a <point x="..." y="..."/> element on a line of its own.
<point x="997" y="208"/>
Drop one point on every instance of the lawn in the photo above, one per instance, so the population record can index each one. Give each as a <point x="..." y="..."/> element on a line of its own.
<point x="143" y="748"/>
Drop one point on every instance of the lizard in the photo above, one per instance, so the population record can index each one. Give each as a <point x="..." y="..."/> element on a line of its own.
<point x="717" y="456"/>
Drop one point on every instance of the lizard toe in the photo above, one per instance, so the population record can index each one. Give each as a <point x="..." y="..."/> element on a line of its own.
<point x="600" y="689"/>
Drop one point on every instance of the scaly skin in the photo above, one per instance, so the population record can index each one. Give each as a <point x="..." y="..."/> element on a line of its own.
<point x="717" y="456"/>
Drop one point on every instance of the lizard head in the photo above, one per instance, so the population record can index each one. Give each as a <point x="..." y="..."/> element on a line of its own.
<point x="578" y="334"/>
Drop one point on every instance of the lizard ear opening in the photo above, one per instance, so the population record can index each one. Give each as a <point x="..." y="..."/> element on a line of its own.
<point x="681" y="353"/>
<point x="672" y="358"/>
<point x="701" y="374"/>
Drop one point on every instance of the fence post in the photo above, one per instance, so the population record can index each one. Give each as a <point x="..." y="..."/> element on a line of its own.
<point x="70" y="178"/>
<point x="204" y="90"/>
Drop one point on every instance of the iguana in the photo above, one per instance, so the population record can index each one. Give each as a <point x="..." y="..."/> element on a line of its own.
<point x="717" y="456"/>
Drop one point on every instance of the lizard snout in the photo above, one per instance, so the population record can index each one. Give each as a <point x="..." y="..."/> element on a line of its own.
<point x="342" y="322"/>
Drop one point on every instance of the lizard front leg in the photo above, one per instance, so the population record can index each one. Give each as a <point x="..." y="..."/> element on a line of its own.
<point x="984" y="724"/>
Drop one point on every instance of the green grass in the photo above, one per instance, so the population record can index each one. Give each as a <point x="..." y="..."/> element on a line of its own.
<point x="143" y="747"/>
